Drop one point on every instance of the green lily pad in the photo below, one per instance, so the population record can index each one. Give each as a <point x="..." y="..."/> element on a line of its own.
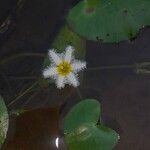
<point x="4" y="121"/>
<point x="109" y="20"/>
<point x="82" y="131"/>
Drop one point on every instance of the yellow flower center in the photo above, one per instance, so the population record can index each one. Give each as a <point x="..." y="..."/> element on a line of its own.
<point x="64" y="68"/>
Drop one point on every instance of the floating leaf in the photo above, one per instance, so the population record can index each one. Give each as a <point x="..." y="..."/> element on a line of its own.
<point x="73" y="121"/>
<point x="3" y="121"/>
<point x="109" y="20"/>
<point x="82" y="131"/>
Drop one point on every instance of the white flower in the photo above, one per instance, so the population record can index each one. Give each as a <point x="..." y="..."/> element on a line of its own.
<point x="64" y="68"/>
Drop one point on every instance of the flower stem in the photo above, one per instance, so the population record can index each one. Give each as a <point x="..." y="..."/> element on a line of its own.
<point x="23" y="78"/>
<point x="79" y="93"/>
<point x="24" y="93"/>
<point x="140" y="68"/>
<point x="112" y="67"/>
<point x="13" y="57"/>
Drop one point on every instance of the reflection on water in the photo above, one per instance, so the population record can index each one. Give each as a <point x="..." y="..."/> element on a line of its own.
<point x="57" y="142"/>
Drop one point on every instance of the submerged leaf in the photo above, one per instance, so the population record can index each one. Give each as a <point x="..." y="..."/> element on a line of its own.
<point x="82" y="131"/>
<point x="67" y="37"/>
<point x="4" y="121"/>
<point x="110" y="21"/>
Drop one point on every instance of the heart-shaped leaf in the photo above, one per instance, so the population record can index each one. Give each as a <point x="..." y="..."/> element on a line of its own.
<point x="73" y="121"/>
<point x="4" y="121"/>
<point x="109" y="20"/>
<point x="82" y="131"/>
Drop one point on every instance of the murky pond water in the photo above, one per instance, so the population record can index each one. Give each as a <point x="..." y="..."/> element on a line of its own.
<point x="124" y="94"/>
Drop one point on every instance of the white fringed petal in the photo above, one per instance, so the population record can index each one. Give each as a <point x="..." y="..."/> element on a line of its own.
<point x="54" y="56"/>
<point x="78" y="66"/>
<point x="60" y="82"/>
<point x="69" y="54"/>
<point x="49" y="72"/>
<point x="72" y="79"/>
<point x="57" y="59"/>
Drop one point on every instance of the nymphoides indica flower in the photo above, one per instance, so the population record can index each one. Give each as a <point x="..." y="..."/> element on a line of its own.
<point x="64" y="67"/>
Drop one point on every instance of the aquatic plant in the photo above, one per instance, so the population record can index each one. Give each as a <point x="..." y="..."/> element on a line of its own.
<point x="64" y="68"/>
<point x="103" y="20"/>
<point x="108" y="20"/>
<point x="84" y="129"/>
<point x="4" y="121"/>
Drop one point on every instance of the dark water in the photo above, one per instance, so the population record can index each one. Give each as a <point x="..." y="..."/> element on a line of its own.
<point x="124" y="95"/>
